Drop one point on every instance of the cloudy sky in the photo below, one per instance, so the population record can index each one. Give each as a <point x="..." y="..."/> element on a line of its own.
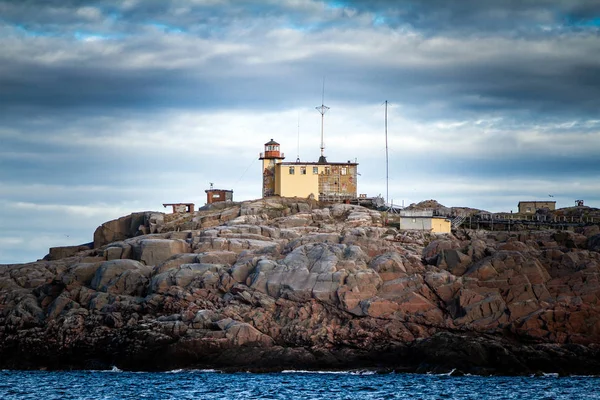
<point x="110" y="107"/>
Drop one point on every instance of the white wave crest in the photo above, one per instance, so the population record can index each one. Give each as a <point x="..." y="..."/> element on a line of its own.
<point x="303" y="371"/>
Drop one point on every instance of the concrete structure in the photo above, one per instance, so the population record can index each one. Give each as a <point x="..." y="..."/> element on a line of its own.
<point x="423" y="220"/>
<point x="218" y="195"/>
<point x="530" y="207"/>
<point x="181" y="207"/>
<point x="325" y="181"/>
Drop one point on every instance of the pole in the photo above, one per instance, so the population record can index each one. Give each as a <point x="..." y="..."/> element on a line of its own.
<point x="298" y="154"/>
<point x="322" y="122"/>
<point x="387" y="175"/>
<point x="322" y="110"/>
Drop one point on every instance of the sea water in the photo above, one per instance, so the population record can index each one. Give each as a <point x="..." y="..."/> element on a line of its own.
<point x="208" y="384"/>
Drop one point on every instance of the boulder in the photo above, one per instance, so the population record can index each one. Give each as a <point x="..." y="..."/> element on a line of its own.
<point x="156" y="251"/>
<point x="122" y="228"/>
<point x="593" y="243"/>
<point x="127" y="277"/>
<point x="80" y="274"/>
<point x="431" y="251"/>
<point x="57" y="253"/>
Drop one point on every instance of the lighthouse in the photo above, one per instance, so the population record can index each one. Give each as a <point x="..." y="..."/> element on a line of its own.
<point x="270" y="157"/>
<point x="323" y="180"/>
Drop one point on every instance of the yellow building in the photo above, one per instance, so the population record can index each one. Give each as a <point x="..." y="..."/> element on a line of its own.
<point x="323" y="180"/>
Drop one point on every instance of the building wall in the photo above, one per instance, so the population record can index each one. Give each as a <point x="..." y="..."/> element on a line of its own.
<point x="338" y="181"/>
<point x="269" y="177"/>
<point x="530" y="207"/>
<point x="330" y="182"/>
<point x="297" y="184"/>
<point x="216" y="195"/>
<point x="415" y="223"/>
<point x="179" y="208"/>
<point x="430" y="224"/>
<point x="441" y="225"/>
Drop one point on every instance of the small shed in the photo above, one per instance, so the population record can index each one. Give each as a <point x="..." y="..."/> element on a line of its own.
<point x="218" y="195"/>
<point x="181" y="208"/>
<point x="423" y="220"/>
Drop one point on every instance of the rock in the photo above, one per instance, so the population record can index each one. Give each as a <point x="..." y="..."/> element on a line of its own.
<point x="80" y="274"/>
<point x="389" y="266"/>
<point x="593" y="243"/>
<point x="156" y="251"/>
<point x="453" y="261"/>
<point x="121" y="277"/>
<point x="589" y="231"/>
<point x="242" y="334"/>
<point x="293" y="221"/>
<point x="570" y="239"/>
<point x="118" y="250"/>
<point x="57" y="253"/>
<point x="280" y="283"/>
<point x="125" y="227"/>
<point x="175" y="261"/>
<point x="431" y="251"/>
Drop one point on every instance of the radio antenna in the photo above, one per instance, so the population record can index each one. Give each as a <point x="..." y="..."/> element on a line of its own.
<point x="322" y="109"/>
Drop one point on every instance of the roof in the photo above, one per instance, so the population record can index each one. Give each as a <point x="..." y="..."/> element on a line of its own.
<point x="271" y="142"/>
<point x="416" y="213"/>
<point x="537" y="201"/>
<point x="218" y="190"/>
<point x="317" y="163"/>
<point x="424" y="217"/>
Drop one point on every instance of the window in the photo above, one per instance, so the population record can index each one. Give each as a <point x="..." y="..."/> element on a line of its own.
<point x="216" y="195"/>
<point x="327" y="171"/>
<point x="292" y="171"/>
<point x="315" y="170"/>
<point x="302" y="170"/>
<point x="344" y="170"/>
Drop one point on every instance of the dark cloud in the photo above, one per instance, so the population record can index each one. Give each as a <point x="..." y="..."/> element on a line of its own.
<point x="542" y="75"/>
<point x="110" y="107"/>
<point x="474" y="16"/>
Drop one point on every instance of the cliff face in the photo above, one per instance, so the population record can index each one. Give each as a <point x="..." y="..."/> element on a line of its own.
<point x="281" y="284"/>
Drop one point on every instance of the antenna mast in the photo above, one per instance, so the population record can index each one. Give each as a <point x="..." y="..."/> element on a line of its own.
<point x="322" y="110"/>
<point x="387" y="175"/>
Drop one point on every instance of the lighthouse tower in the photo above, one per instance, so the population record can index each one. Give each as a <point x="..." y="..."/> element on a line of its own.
<point x="270" y="157"/>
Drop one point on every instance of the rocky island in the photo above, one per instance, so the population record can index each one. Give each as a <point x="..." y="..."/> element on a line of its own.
<point x="283" y="283"/>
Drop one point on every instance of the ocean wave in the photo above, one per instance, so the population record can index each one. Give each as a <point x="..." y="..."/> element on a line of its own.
<point x="202" y="371"/>
<point x="451" y="373"/>
<point x="551" y="375"/>
<point x="351" y="372"/>
<point x="113" y="369"/>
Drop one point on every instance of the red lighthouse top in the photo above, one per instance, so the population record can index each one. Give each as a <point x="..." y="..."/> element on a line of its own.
<point x="271" y="150"/>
